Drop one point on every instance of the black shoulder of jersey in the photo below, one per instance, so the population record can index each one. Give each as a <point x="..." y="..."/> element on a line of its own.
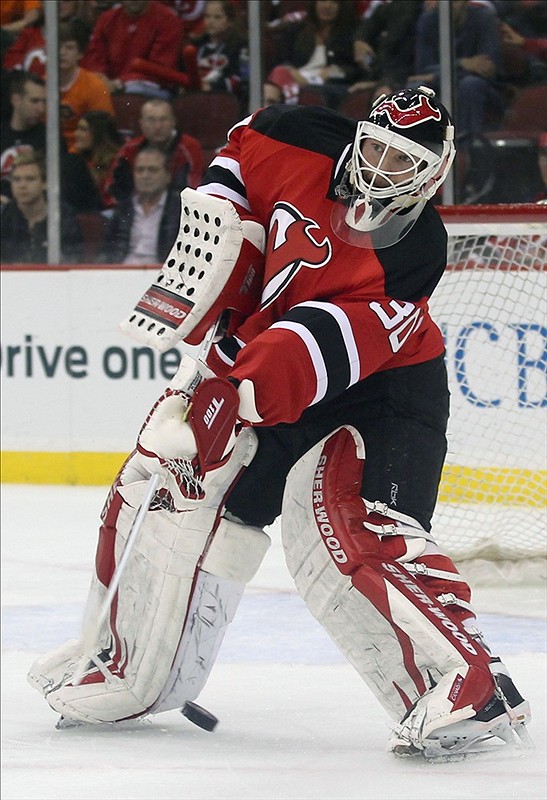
<point x="414" y="266"/>
<point x="313" y="128"/>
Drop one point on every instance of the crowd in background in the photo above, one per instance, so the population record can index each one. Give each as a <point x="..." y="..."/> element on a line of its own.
<point x="152" y="56"/>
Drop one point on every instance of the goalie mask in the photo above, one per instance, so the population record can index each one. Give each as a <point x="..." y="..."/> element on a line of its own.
<point x="401" y="156"/>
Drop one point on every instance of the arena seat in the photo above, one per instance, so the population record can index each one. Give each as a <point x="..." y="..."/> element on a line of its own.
<point x="527" y="113"/>
<point x="127" y="109"/>
<point x="93" y="227"/>
<point x="311" y="96"/>
<point x="512" y="147"/>
<point x="357" y="104"/>
<point x="207" y="116"/>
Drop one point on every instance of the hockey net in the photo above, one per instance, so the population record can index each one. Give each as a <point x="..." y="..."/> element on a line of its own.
<point x="492" y="308"/>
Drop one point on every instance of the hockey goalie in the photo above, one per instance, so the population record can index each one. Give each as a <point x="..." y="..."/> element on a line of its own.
<point x="303" y="268"/>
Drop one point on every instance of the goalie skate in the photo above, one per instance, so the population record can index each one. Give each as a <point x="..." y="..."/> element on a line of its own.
<point x="501" y="723"/>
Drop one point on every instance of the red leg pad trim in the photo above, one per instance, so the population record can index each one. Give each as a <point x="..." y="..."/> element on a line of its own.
<point x="339" y="509"/>
<point x="339" y="512"/>
<point x="372" y="579"/>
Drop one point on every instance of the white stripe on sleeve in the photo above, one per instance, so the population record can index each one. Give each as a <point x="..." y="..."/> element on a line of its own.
<point x="219" y="190"/>
<point x="316" y="356"/>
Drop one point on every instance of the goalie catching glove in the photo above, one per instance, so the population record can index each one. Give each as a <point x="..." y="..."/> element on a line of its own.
<point x="214" y="269"/>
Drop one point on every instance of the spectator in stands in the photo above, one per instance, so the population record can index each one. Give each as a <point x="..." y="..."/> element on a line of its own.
<point x="23" y="226"/>
<point x="318" y="51"/>
<point x="534" y="48"/>
<point x="272" y="94"/>
<point x="144" y="226"/>
<point x="385" y="44"/>
<point x="478" y="54"/>
<point x="280" y="14"/>
<point x="131" y="37"/>
<point x="81" y="90"/>
<point x="159" y="128"/>
<point x="191" y="13"/>
<point x="222" y="57"/>
<point x="528" y="17"/>
<point x="15" y="15"/>
<point x="24" y="130"/>
<point x="28" y="52"/>
<point x="97" y="141"/>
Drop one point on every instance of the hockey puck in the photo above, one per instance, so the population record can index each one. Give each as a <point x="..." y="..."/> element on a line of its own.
<point x="199" y="716"/>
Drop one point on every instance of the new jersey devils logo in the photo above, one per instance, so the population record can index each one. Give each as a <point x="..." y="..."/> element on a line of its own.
<point x="291" y="246"/>
<point x="405" y="112"/>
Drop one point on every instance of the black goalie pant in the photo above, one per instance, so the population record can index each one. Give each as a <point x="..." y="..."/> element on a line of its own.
<point x="402" y="416"/>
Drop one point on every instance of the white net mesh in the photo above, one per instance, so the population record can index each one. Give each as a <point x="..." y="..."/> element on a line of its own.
<point x="492" y="307"/>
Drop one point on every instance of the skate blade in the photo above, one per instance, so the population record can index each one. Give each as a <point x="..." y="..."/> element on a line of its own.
<point x="65" y="723"/>
<point x="432" y="756"/>
<point x="504" y="741"/>
<point x="495" y="741"/>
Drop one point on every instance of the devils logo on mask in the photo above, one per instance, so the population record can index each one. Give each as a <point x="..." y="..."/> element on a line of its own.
<point x="405" y="111"/>
<point x="291" y="246"/>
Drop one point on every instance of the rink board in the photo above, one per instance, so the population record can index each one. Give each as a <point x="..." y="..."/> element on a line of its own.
<point x="75" y="389"/>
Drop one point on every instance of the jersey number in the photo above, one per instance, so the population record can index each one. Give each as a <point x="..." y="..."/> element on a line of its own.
<point x="401" y="319"/>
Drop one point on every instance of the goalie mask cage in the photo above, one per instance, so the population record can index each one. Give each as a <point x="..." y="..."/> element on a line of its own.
<point x="491" y="306"/>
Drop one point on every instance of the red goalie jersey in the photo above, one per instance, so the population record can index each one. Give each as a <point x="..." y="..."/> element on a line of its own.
<point x="331" y="313"/>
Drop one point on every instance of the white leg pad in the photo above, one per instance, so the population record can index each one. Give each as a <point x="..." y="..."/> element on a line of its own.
<point x="399" y="650"/>
<point x="232" y="560"/>
<point x="360" y="632"/>
<point x="137" y="646"/>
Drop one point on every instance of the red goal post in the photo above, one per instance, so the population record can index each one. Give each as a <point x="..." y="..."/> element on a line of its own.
<point x="491" y="305"/>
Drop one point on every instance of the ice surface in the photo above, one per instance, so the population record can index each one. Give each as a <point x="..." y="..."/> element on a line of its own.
<point x="296" y="722"/>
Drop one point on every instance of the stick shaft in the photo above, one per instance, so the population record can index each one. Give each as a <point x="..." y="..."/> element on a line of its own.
<point x="91" y="631"/>
<point x="151" y="487"/>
